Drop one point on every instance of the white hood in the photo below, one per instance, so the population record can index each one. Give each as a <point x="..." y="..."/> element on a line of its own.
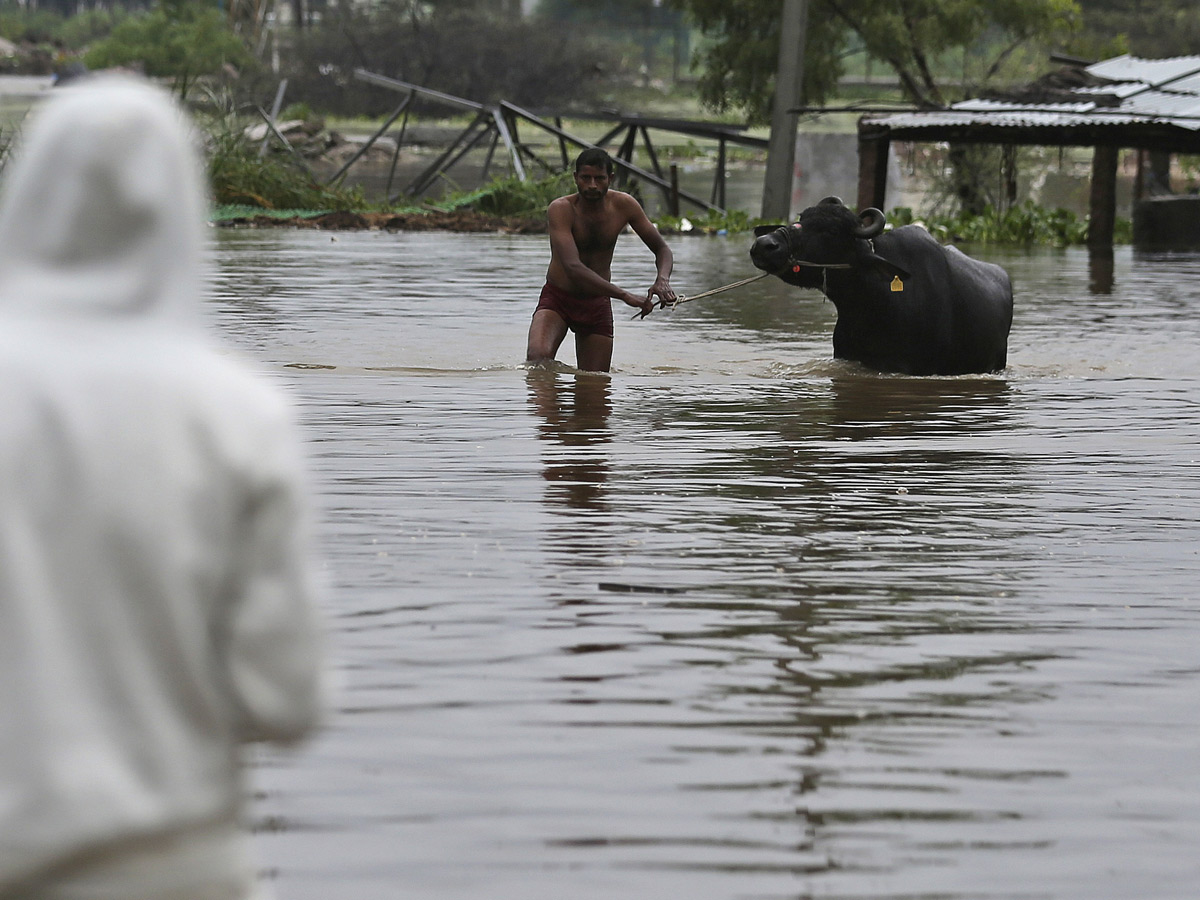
<point x="156" y="577"/>
<point x="103" y="207"/>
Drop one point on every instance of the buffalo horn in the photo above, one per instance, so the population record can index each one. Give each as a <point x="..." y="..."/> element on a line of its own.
<point x="872" y="223"/>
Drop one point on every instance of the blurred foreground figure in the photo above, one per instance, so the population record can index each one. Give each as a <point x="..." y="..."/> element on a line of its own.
<point x="156" y="603"/>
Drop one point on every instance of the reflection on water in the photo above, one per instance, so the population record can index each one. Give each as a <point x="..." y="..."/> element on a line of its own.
<point x="865" y="407"/>
<point x="575" y="411"/>
<point x="739" y="620"/>
<point x="1101" y="267"/>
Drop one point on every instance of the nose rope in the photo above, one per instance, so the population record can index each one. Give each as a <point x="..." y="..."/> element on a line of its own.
<point x="795" y="264"/>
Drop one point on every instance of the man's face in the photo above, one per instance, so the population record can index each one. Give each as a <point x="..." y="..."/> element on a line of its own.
<point x="592" y="182"/>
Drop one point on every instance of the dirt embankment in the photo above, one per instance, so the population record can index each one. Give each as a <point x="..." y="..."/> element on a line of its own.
<point x="463" y="220"/>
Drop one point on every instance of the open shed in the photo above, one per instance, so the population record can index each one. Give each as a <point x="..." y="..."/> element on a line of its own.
<point x="1149" y="105"/>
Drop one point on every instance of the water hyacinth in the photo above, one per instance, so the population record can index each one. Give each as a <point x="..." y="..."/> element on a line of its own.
<point x="1026" y="224"/>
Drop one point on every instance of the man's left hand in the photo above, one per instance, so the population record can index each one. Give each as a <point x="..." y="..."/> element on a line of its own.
<point x="666" y="294"/>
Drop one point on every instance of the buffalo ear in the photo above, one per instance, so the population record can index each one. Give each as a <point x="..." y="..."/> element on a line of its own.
<point x="886" y="267"/>
<point x="760" y="230"/>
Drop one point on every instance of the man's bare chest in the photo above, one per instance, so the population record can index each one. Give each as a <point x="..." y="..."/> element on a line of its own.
<point x="594" y="237"/>
<point x="595" y="234"/>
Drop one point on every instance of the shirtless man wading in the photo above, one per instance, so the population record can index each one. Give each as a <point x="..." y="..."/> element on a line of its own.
<point x="583" y="232"/>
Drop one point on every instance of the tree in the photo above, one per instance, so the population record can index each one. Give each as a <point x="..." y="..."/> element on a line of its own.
<point x="976" y="40"/>
<point x="463" y="49"/>
<point x="940" y="50"/>
<point x="738" y="63"/>
<point x="178" y="39"/>
<point x="607" y="12"/>
<point x="1149" y="28"/>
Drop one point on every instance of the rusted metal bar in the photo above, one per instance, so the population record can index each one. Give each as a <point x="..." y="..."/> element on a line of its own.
<point x="501" y="124"/>
<point x="283" y="140"/>
<point x="372" y="139"/>
<point x="396" y="156"/>
<point x="275" y="107"/>
<point x="396" y="84"/>
<point x="426" y="178"/>
<point x="620" y="163"/>
<point x="718" y="191"/>
<point x="562" y="144"/>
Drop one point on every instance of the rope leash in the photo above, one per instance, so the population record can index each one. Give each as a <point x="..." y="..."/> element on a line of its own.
<point x="793" y="264"/>
<point x="681" y="299"/>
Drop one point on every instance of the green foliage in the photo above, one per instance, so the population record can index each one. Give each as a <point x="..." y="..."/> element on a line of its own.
<point x="89" y="25"/>
<point x="22" y="24"/>
<point x="179" y="39"/>
<point x="35" y="26"/>
<point x="1189" y="167"/>
<point x="512" y="197"/>
<point x="1026" y="225"/>
<point x="300" y="111"/>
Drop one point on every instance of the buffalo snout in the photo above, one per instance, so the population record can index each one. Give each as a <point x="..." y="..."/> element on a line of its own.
<point x="769" y="252"/>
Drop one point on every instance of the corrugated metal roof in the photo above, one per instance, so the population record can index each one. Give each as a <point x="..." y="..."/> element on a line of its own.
<point x="1134" y="91"/>
<point x="1157" y="72"/>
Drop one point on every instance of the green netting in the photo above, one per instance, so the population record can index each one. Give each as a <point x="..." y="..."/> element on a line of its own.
<point x="227" y="212"/>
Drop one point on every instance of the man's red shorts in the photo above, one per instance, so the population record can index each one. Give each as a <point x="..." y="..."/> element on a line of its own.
<point x="583" y="315"/>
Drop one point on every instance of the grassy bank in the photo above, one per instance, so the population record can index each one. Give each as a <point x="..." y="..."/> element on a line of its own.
<point x="508" y="204"/>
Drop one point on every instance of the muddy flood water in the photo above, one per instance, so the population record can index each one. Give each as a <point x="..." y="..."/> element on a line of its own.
<point x="739" y="621"/>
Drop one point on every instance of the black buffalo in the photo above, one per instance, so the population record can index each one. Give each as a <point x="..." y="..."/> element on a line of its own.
<point x="905" y="303"/>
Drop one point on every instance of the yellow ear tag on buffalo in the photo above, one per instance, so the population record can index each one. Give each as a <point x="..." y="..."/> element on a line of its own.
<point x="897" y="284"/>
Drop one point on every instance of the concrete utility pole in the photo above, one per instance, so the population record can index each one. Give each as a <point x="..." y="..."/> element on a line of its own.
<point x="789" y="79"/>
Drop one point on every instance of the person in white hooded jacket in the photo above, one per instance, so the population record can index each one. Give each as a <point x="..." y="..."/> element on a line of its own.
<point x="157" y="586"/>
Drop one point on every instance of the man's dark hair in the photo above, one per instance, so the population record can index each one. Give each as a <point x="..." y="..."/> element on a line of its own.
<point x="594" y="156"/>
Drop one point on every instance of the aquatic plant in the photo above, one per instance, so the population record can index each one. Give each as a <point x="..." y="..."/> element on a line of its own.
<point x="1026" y="224"/>
<point x="732" y="221"/>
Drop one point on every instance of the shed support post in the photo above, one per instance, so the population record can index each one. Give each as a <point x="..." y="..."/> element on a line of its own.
<point x="718" y="191"/>
<point x="1156" y="174"/>
<point x="1103" y="214"/>
<point x="873" y="146"/>
<point x="789" y="88"/>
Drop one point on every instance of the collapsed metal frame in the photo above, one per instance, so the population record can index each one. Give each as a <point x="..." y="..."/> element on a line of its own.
<point x="501" y="122"/>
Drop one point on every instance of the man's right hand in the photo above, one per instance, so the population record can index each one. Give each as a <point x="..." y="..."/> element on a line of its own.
<point x="645" y="304"/>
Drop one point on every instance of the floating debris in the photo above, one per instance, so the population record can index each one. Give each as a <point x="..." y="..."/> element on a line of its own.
<point x="638" y="588"/>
